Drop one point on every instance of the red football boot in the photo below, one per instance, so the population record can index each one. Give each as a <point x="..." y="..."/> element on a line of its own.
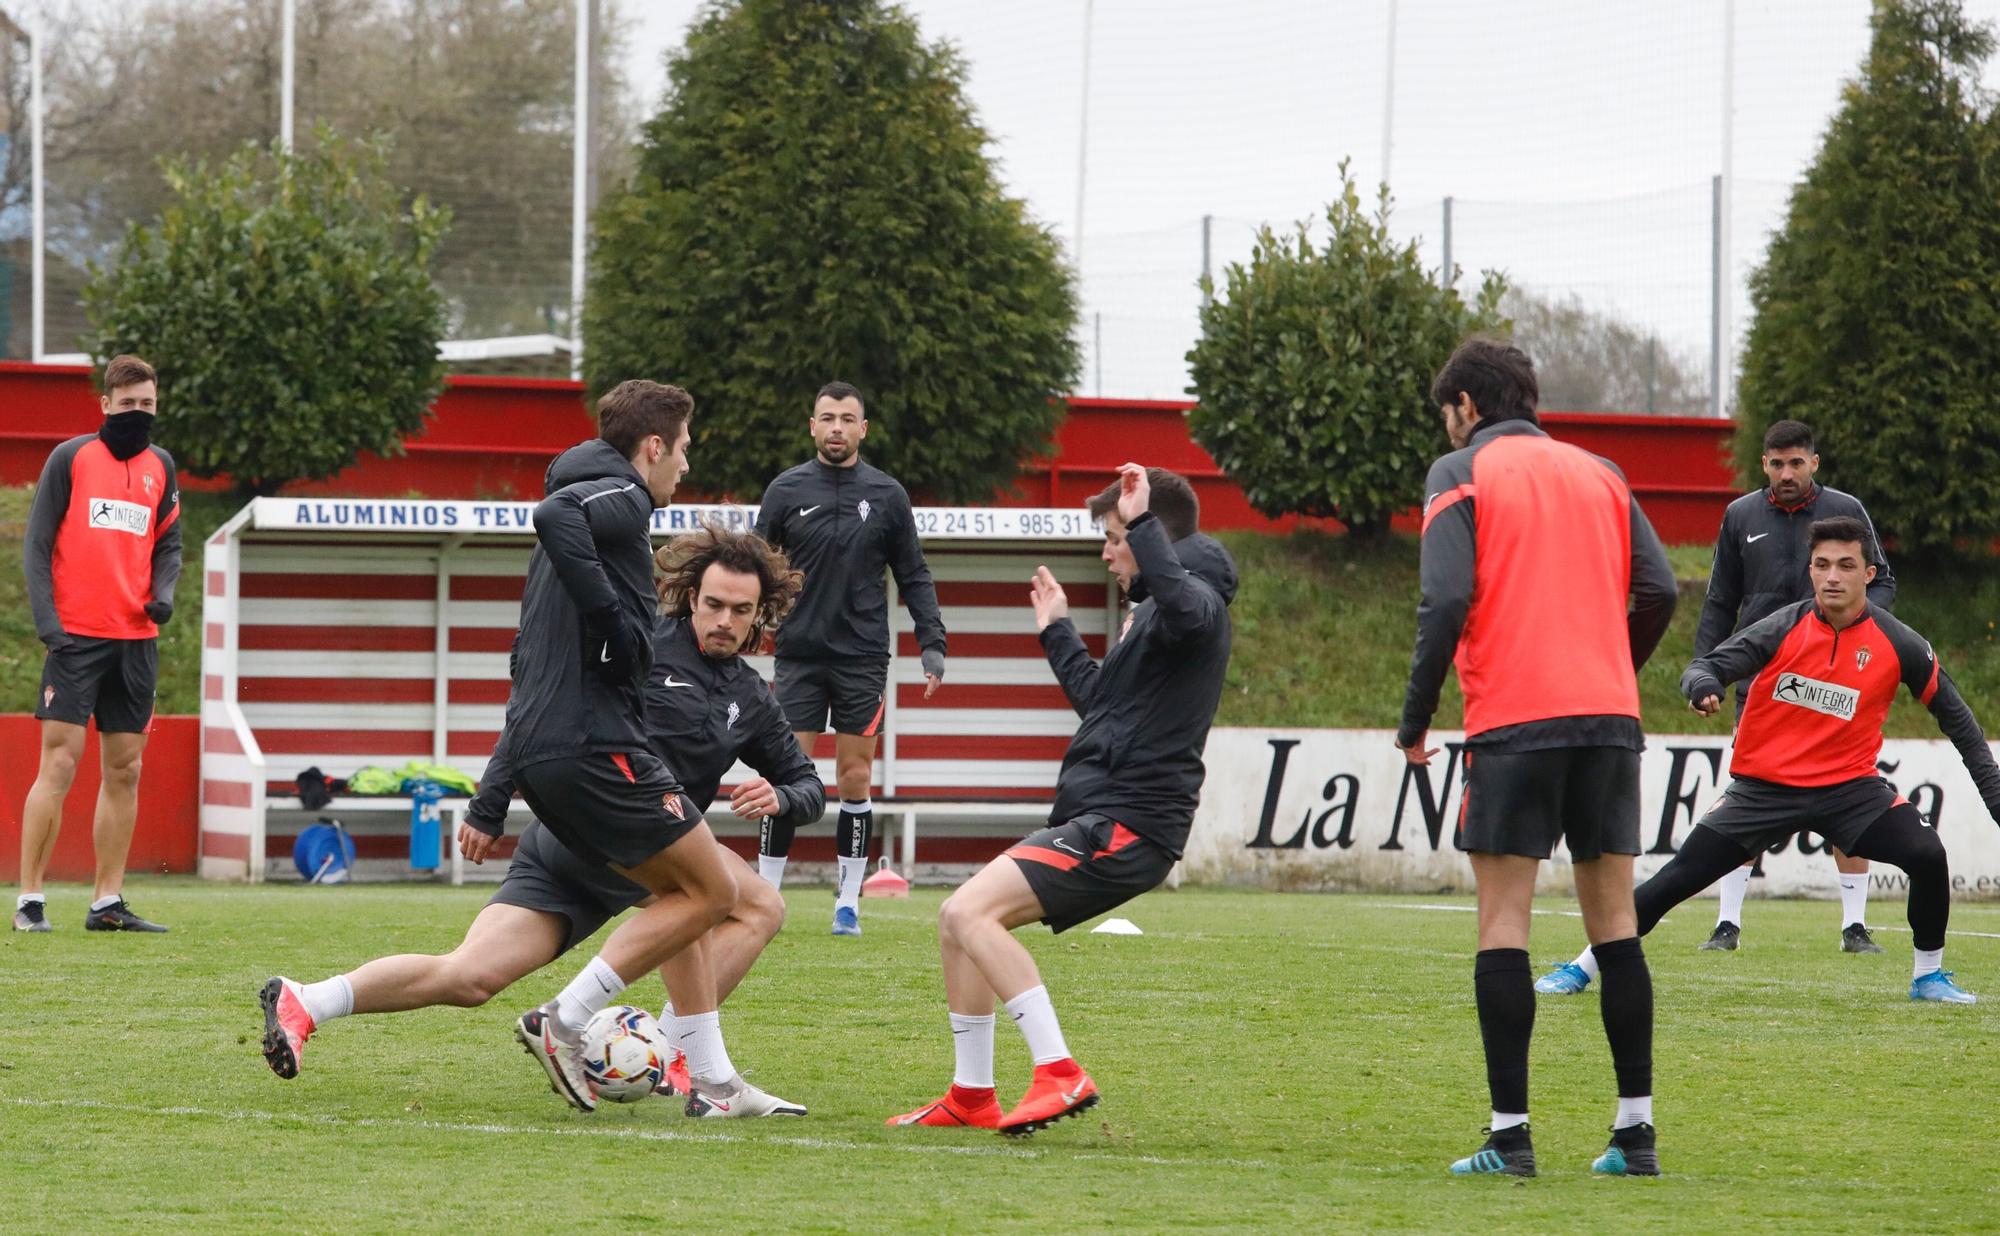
<point x="1059" y="1089"/>
<point x="675" y="1081"/>
<point x="960" y="1108"/>
<point x="287" y="1026"/>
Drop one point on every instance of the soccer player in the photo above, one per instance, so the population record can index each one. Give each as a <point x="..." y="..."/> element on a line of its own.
<point x="721" y="592"/>
<point x="841" y="522"/>
<point x="1124" y="799"/>
<point x="1760" y="567"/>
<point x="102" y="553"/>
<point x="1529" y="595"/>
<point x="1822" y="674"/>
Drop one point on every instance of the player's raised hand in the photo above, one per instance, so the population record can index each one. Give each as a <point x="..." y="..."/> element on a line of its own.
<point x="474" y="844"/>
<point x="1135" y="492"/>
<point x="1046" y="595"/>
<point x="754" y="800"/>
<point x="1707" y="705"/>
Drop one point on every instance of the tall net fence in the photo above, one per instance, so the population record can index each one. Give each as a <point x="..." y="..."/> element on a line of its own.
<point x="475" y="96"/>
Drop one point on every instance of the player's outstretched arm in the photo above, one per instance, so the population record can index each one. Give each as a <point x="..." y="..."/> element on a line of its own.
<point x="1740" y="656"/>
<point x="1184" y="605"/>
<point x="1068" y="658"/>
<point x="775" y="755"/>
<point x="1655" y="591"/>
<point x="1934" y="689"/>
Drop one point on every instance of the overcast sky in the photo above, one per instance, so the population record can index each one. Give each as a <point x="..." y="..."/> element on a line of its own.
<point x="1578" y="136"/>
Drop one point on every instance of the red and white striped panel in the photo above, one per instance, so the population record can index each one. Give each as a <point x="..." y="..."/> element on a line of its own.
<point x="337" y="665"/>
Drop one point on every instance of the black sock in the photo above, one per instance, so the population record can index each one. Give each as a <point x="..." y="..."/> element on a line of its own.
<point x="774" y="840"/>
<point x="1627" y="1008"/>
<point x="855" y="827"/>
<point x="1505" y="992"/>
<point x="1898" y="837"/>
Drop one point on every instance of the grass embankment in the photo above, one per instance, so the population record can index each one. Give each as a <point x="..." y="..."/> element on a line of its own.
<point x="1323" y="629"/>
<point x="1324" y="626"/>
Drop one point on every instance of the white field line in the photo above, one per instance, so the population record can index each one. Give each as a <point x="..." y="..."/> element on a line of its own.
<point x="1984" y="935"/>
<point x="646" y="1135"/>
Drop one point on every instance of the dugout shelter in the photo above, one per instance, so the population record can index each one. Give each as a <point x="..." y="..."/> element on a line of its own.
<point x="350" y="632"/>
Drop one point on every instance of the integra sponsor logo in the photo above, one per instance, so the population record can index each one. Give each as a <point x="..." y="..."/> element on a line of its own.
<point x="1821" y="697"/>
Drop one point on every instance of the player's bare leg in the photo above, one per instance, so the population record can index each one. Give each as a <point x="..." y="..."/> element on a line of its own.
<point x="726" y="955"/>
<point x="41" y="818"/>
<point x="111" y="833"/>
<point x="983" y="962"/>
<point x="693" y="891"/>
<point x="503" y="945"/>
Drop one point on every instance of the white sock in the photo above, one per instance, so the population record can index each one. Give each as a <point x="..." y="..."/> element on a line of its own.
<point x="1853" y="898"/>
<point x="25" y="898"/>
<point x="105" y="903"/>
<point x="1733" y="886"/>
<point x="1507" y="1120"/>
<point x="587" y="993"/>
<point x="1032" y="1012"/>
<point x="1633" y="1111"/>
<point x="1929" y="960"/>
<point x="852" y="872"/>
<point x="327" y="999"/>
<point x="669" y="1024"/>
<point x="972" y="1042"/>
<point x="1588" y="961"/>
<point x="772" y="868"/>
<point x="700" y="1036"/>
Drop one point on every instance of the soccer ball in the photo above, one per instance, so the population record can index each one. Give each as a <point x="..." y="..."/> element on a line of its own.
<point x="624" y="1054"/>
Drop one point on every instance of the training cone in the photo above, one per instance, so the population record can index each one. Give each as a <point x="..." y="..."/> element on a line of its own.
<point x="1117" y="927"/>
<point x="885" y="883"/>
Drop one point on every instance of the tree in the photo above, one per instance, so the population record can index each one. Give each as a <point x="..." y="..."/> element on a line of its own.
<point x="286" y="300"/>
<point x="1314" y="366"/>
<point x="1877" y="307"/>
<point x="478" y="93"/>
<point x="1587" y="360"/>
<point x="814" y="202"/>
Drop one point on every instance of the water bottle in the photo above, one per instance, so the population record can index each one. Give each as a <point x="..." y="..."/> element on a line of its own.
<point x="424" y="825"/>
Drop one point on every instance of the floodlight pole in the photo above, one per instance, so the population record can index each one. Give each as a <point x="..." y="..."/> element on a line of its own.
<point x="579" y="188"/>
<point x="1389" y="95"/>
<point x="287" y="61"/>
<point x="37" y="337"/>
<point x="1723" y="347"/>
<point x="1083" y="132"/>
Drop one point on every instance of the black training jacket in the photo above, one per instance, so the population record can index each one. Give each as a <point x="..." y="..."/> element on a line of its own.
<point x="703" y="713"/>
<point x="842" y="526"/>
<point x="1761" y="558"/>
<point x="593" y="556"/>
<point x="1146" y="710"/>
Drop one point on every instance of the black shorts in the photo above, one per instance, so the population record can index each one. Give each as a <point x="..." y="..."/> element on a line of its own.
<point x="111" y="679"/>
<point x="545" y="876"/>
<point x="1758" y="814"/>
<point x="609" y="808"/>
<point x="851" y="689"/>
<point x="1522" y="802"/>
<point x="1089" y="866"/>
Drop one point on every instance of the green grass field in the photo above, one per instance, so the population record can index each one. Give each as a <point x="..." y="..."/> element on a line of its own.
<point x="1268" y="1061"/>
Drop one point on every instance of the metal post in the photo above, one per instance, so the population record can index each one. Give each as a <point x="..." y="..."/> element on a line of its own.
<point x="1083" y="134"/>
<point x="286" y="77"/>
<point x="1725" y="360"/>
<point x="1207" y="295"/>
<point x="1652" y="372"/>
<point x="1097" y="349"/>
<point x="1389" y="96"/>
<point x="1715" y="297"/>
<point x="38" y="274"/>
<point x="579" y="188"/>
<point x="1450" y="275"/>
